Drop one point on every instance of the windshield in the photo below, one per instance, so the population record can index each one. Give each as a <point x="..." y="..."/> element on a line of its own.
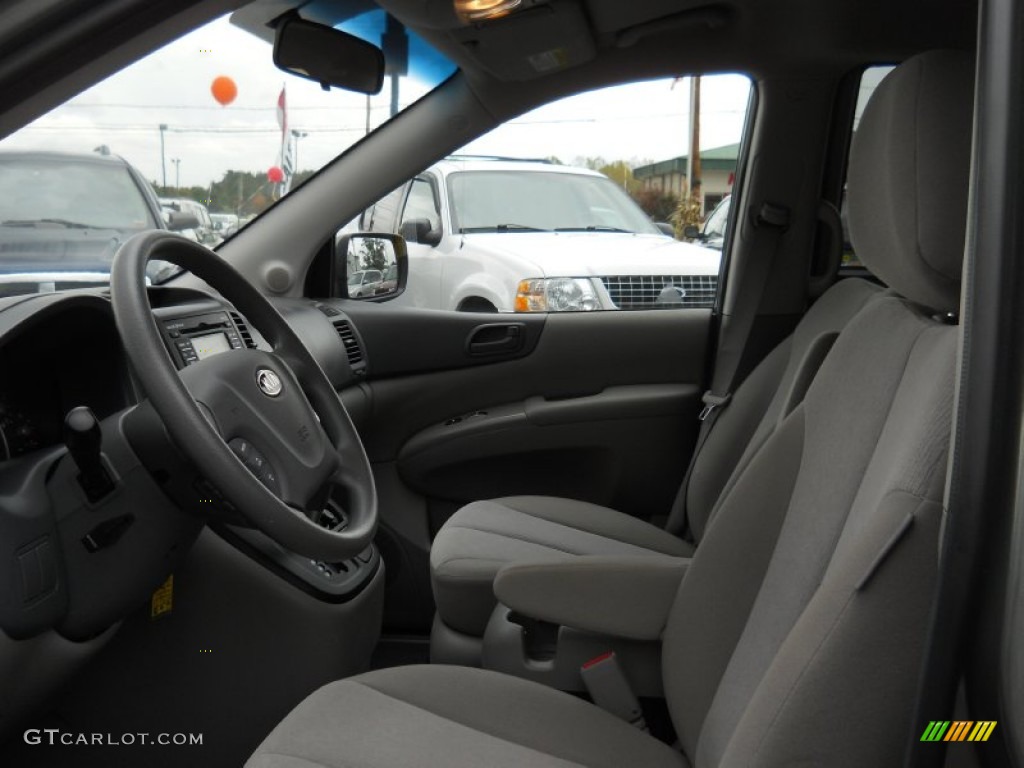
<point x="208" y="124"/>
<point x="524" y="201"/>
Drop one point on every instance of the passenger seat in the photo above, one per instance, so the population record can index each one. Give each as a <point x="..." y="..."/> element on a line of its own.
<point x="483" y="536"/>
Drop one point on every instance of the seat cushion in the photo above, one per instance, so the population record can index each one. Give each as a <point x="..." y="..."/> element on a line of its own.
<point x="453" y="716"/>
<point x="483" y="536"/>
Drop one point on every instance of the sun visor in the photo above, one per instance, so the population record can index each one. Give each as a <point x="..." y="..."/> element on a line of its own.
<point x="532" y="43"/>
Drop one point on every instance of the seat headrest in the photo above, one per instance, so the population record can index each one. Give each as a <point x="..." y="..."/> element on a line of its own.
<point x="908" y="178"/>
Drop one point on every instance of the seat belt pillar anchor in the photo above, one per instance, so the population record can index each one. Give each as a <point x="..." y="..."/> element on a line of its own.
<point x="712" y="402"/>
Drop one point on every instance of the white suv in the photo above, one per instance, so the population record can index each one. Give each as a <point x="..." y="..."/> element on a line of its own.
<point x="493" y="234"/>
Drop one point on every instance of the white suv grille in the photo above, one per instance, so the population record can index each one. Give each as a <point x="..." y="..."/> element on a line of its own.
<point x="642" y="291"/>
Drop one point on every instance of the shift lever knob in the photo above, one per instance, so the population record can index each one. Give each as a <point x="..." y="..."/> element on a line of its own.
<point x="83" y="437"/>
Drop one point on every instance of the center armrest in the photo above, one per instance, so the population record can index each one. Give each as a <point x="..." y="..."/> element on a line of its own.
<point x="621" y="596"/>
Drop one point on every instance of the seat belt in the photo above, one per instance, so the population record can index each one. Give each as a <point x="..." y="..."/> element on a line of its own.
<point x="770" y="222"/>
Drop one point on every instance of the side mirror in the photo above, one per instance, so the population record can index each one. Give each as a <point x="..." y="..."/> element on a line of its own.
<point x="177" y="221"/>
<point x="364" y="256"/>
<point x="665" y="227"/>
<point x="420" y="231"/>
<point x="690" y="232"/>
<point x="328" y="56"/>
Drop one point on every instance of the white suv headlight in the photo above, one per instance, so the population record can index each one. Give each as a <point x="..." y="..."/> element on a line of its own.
<point x="556" y="294"/>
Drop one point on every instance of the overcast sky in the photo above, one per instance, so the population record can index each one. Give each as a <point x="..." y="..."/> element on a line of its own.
<point x="642" y="122"/>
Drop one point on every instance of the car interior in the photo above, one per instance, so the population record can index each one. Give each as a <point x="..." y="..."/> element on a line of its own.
<point x="297" y="527"/>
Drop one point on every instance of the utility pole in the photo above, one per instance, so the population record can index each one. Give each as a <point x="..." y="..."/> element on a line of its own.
<point x="395" y="44"/>
<point x="163" y="156"/>
<point x="693" y="166"/>
<point x="298" y="135"/>
<point x="177" y="172"/>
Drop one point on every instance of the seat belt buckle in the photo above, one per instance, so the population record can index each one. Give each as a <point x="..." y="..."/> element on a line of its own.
<point x="711" y="402"/>
<point x="610" y="690"/>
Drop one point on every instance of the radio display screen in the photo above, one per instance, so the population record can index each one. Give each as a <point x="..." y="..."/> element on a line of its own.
<point x="211" y="344"/>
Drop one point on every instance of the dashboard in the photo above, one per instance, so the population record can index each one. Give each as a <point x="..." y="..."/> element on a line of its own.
<point x="53" y="363"/>
<point x="58" y="352"/>
<point x="95" y="516"/>
<point x="120" y="484"/>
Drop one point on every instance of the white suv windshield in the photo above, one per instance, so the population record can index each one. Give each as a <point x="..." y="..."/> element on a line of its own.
<point x="523" y="201"/>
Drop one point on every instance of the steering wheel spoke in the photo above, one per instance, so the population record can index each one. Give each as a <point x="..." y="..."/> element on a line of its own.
<point x="280" y="438"/>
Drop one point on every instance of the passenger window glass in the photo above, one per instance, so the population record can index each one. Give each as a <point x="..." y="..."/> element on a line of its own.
<point x="381" y="217"/>
<point x="868" y="82"/>
<point x="582" y="204"/>
<point x="422" y="204"/>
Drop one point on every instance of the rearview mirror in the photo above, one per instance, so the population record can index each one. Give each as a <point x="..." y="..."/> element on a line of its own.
<point x="370" y="266"/>
<point x="328" y="56"/>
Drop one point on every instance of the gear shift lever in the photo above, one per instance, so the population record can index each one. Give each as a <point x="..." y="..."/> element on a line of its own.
<point x="83" y="437"/>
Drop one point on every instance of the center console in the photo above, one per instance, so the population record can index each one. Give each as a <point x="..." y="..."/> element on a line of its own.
<point x="197" y="337"/>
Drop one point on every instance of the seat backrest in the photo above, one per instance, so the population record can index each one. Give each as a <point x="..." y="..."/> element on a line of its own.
<point x="797" y="633"/>
<point x="764" y="399"/>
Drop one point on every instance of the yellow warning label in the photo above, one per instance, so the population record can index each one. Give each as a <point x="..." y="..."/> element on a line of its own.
<point x="163" y="599"/>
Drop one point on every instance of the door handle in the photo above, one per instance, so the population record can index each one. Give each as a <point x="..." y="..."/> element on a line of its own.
<point x="495" y="338"/>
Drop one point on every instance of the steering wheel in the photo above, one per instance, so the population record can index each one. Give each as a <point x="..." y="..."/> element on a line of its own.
<point x="279" y="403"/>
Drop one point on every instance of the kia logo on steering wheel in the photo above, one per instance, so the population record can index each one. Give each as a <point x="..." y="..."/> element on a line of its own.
<point x="269" y="382"/>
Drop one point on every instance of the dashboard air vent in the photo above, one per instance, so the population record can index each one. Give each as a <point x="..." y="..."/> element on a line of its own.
<point x="348" y="338"/>
<point x="243" y="330"/>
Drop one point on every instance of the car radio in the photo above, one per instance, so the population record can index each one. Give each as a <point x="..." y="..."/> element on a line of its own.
<point x="198" y="337"/>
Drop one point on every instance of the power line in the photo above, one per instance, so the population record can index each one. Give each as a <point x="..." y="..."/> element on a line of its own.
<point x="171" y="129"/>
<point x="210" y="108"/>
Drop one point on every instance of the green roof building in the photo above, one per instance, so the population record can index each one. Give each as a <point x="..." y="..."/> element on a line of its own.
<point x="718" y="168"/>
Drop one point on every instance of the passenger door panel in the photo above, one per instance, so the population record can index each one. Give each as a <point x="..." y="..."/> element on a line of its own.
<point x="594" y="406"/>
<point x="620" y="447"/>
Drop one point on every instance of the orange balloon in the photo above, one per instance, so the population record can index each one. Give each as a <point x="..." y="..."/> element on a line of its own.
<point x="224" y="90"/>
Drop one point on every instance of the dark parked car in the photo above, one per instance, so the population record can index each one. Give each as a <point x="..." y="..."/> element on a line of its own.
<point x="64" y="215"/>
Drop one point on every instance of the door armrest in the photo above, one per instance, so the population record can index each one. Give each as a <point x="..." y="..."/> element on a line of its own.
<point x="627" y="597"/>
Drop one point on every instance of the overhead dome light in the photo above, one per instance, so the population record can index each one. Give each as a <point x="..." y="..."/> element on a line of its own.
<point x="480" y="10"/>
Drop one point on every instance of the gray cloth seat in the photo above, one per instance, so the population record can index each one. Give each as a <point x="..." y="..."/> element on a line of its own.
<point x="482" y="536"/>
<point x="454" y="716"/>
<point x="796" y="635"/>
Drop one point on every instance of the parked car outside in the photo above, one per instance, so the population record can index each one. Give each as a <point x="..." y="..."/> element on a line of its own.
<point x="206" y="232"/>
<point x="494" y="234"/>
<point x="364" y="283"/>
<point x="388" y="283"/>
<point x="712" y="234"/>
<point x="64" y="215"/>
<point x="225" y="224"/>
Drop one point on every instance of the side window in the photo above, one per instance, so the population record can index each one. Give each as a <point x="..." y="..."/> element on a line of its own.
<point x="595" y="202"/>
<point x="383" y="215"/>
<point x="422" y="204"/>
<point x="868" y="83"/>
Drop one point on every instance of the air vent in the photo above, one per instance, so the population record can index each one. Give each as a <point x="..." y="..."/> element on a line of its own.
<point x="348" y="338"/>
<point x="243" y="330"/>
<point x="329" y="311"/>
